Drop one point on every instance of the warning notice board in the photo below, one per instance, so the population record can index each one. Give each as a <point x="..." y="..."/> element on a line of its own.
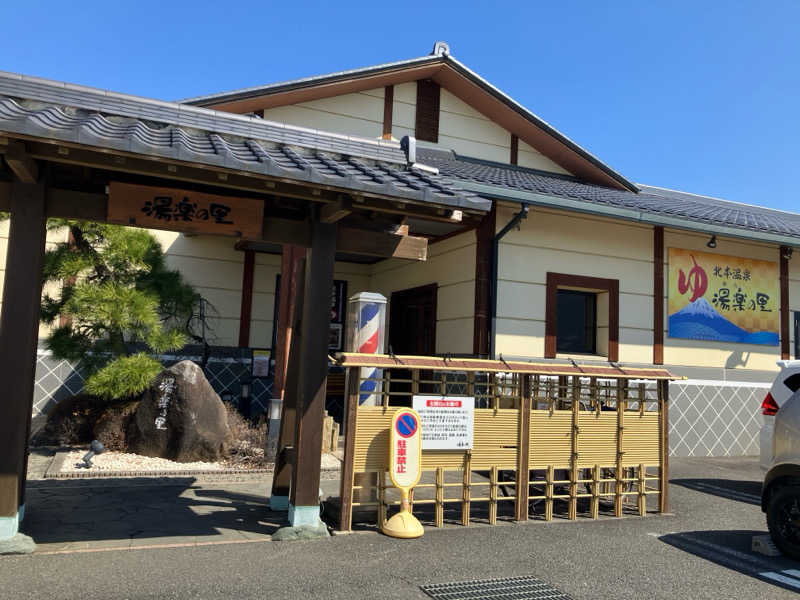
<point x="447" y="422"/>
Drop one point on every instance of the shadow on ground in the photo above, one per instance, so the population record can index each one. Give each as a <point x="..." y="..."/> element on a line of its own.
<point x="731" y="489"/>
<point x="732" y="550"/>
<point x="135" y="509"/>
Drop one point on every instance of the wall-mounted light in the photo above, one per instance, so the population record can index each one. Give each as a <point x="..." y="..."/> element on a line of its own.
<point x="712" y="243"/>
<point x="787" y="252"/>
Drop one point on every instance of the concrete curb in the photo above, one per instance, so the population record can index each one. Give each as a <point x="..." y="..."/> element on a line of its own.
<point x="54" y="471"/>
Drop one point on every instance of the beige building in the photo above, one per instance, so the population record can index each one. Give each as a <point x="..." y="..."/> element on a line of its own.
<point x="583" y="273"/>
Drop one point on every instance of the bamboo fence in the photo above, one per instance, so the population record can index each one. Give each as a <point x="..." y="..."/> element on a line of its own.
<point x="549" y="440"/>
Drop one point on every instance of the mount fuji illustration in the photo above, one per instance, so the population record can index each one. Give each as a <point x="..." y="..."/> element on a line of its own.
<point x="699" y="320"/>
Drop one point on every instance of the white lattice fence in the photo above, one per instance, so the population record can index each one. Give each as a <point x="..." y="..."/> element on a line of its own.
<point x="715" y="418"/>
<point x="59" y="379"/>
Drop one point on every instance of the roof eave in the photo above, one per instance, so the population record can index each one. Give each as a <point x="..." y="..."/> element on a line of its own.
<point x="635" y="215"/>
<point x="541" y="123"/>
<point x="309" y="82"/>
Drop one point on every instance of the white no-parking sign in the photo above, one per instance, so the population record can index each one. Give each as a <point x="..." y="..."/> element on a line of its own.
<point x="406" y="450"/>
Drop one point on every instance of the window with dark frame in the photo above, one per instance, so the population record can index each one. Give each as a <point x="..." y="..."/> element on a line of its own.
<point x="577" y="322"/>
<point x="557" y="282"/>
<point x="797" y="335"/>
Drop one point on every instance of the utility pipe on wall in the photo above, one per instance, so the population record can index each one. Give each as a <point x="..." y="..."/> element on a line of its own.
<point x="514" y="222"/>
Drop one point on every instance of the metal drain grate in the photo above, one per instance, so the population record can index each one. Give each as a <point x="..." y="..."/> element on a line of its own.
<point x="516" y="588"/>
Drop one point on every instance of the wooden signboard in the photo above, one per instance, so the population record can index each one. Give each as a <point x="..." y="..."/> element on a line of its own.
<point x="184" y="210"/>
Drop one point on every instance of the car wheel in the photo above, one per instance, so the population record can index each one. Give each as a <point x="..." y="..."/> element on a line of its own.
<point x="783" y="520"/>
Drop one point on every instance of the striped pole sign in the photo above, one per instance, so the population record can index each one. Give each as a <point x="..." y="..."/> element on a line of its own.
<point x="367" y="343"/>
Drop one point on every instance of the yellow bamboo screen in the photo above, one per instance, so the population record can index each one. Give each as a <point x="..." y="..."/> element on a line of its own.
<point x="591" y="444"/>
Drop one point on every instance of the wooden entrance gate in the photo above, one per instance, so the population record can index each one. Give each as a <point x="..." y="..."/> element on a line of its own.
<point x="549" y="440"/>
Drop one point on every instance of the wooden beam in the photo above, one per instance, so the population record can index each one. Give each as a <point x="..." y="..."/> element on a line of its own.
<point x="314" y="361"/>
<point x="91" y="206"/>
<point x="173" y="209"/>
<point x="379" y="243"/>
<point x="336" y="211"/>
<point x="388" y="109"/>
<point x="64" y="203"/>
<point x="285" y="231"/>
<point x="350" y="241"/>
<point x="19" y="327"/>
<point x="230" y="178"/>
<point x="514" y="157"/>
<point x="70" y="204"/>
<point x="20" y="162"/>
<point x="247" y="298"/>
<point x="658" y="295"/>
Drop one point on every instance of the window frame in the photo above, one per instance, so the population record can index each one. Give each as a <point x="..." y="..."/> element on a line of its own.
<point x="584" y="283"/>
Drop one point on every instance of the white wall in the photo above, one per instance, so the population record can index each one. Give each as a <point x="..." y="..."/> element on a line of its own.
<point x="404" y="109"/>
<point x="561" y="242"/>
<point x="359" y="114"/>
<point x="53" y="238"/>
<point x="465" y="130"/>
<point x="215" y="268"/>
<point x="528" y="156"/>
<point x="451" y="264"/>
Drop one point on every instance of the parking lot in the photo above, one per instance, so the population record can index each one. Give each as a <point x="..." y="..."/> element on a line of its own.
<point x="700" y="550"/>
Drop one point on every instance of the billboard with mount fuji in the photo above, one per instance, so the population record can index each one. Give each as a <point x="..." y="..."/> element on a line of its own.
<point x="722" y="298"/>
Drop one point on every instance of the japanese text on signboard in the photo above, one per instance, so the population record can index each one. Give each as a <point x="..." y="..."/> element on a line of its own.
<point x="447" y="422"/>
<point x="184" y="210"/>
<point x="722" y="298"/>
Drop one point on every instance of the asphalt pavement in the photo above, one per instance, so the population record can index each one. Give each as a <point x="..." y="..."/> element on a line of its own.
<point x="701" y="550"/>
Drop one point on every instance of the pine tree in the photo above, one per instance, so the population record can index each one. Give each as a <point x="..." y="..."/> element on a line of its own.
<point x="115" y="290"/>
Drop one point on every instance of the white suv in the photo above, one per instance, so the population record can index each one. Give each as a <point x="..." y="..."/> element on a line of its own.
<point x="786" y="383"/>
<point x="780" y="493"/>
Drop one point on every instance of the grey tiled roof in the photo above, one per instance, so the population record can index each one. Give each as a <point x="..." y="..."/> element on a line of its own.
<point x="108" y="121"/>
<point x="444" y="59"/>
<point x="650" y="200"/>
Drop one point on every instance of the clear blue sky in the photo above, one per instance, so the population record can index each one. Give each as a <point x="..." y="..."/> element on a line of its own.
<point x="697" y="96"/>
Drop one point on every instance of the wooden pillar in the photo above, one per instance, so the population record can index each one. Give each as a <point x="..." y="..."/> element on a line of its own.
<point x="291" y="273"/>
<point x="784" y="317"/>
<point x="523" y="457"/>
<point x="282" y="478"/>
<point x="658" y="295"/>
<point x="304" y="499"/>
<point x="19" y="332"/>
<point x="247" y="298"/>
<point x="346" y="482"/>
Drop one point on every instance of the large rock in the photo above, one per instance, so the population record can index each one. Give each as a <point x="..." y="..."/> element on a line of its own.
<point x="180" y="417"/>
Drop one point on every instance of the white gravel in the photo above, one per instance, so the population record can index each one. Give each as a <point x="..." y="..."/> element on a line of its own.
<point x="120" y="461"/>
